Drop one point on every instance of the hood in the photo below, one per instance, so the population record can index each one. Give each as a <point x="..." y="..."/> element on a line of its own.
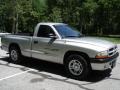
<point x="92" y="41"/>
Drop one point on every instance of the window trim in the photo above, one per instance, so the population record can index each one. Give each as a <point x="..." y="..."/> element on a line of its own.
<point x="47" y="26"/>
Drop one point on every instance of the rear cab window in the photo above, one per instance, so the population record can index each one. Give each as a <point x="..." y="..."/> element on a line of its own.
<point x="45" y="31"/>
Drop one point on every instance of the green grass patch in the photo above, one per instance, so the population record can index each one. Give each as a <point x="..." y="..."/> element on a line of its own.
<point x="115" y="40"/>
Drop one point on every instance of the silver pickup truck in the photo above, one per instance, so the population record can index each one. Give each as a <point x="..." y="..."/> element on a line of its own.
<point x="60" y="43"/>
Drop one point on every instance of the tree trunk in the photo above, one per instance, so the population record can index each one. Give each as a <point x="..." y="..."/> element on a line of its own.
<point x="13" y="26"/>
<point x="16" y="28"/>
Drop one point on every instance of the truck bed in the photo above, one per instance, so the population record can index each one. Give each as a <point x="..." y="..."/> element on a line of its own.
<point x="23" y="41"/>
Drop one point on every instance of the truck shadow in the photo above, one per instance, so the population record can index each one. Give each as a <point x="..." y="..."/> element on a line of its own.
<point x="56" y="69"/>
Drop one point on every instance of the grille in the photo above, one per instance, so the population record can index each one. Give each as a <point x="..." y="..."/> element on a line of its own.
<point x="112" y="51"/>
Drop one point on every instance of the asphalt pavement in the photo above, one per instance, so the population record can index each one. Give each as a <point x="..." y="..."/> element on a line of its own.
<point x="34" y="74"/>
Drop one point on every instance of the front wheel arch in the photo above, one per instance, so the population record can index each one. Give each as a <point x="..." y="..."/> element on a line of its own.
<point x="77" y="67"/>
<point x="84" y="55"/>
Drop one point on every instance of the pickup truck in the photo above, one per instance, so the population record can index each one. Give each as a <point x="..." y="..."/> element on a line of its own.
<point x="62" y="44"/>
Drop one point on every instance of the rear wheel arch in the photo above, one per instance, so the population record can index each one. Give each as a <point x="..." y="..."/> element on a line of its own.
<point x="15" y="53"/>
<point x="14" y="45"/>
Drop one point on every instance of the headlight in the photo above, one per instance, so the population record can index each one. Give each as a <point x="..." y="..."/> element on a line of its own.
<point x="102" y="55"/>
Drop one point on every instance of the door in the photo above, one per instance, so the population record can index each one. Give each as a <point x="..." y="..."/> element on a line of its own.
<point x="44" y="46"/>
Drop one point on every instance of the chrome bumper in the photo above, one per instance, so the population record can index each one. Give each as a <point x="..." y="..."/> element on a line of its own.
<point x="104" y="64"/>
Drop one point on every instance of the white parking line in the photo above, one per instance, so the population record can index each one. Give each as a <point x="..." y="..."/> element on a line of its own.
<point x="16" y="74"/>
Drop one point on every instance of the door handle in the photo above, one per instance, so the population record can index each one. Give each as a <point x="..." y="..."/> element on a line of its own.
<point x="35" y="42"/>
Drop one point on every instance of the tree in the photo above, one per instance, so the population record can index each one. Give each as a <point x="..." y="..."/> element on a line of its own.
<point x="88" y="16"/>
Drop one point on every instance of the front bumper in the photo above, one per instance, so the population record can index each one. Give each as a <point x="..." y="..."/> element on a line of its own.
<point x="104" y="64"/>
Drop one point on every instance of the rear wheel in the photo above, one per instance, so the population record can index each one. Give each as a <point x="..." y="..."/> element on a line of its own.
<point x="77" y="67"/>
<point x="15" y="55"/>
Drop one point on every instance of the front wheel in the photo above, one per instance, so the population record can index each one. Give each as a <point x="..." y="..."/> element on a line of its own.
<point x="15" y="55"/>
<point x="77" y="67"/>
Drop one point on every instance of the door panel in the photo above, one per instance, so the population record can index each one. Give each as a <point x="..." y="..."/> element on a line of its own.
<point x="45" y="49"/>
<point x="44" y="45"/>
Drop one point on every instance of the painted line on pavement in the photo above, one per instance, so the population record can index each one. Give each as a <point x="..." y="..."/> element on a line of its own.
<point x="1" y="79"/>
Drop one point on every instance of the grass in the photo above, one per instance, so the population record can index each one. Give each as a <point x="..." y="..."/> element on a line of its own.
<point x="115" y="40"/>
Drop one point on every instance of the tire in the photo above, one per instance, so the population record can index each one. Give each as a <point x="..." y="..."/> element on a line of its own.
<point x="77" y="67"/>
<point x="15" y="54"/>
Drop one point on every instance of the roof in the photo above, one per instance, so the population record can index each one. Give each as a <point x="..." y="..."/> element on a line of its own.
<point x="50" y="23"/>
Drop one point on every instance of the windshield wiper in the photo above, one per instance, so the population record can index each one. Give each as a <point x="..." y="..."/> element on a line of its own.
<point x="73" y="36"/>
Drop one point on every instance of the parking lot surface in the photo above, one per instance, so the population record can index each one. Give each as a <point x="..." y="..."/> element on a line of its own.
<point x="34" y="74"/>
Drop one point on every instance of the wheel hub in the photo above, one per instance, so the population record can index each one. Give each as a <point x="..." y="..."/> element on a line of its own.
<point x="14" y="55"/>
<point x="75" y="67"/>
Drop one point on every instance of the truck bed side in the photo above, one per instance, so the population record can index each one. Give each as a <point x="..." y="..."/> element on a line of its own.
<point x="24" y="43"/>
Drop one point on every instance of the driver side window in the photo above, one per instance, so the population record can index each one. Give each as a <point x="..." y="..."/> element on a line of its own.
<point x="45" y="31"/>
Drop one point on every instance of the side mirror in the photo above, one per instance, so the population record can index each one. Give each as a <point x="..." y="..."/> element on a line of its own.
<point x="52" y="36"/>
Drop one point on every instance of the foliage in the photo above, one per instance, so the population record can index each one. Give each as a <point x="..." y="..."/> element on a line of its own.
<point x="115" y="40"/>
<point x="97" y="17"/>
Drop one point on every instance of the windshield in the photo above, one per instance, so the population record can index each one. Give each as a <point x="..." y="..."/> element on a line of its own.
<point x="67" y="31"/>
